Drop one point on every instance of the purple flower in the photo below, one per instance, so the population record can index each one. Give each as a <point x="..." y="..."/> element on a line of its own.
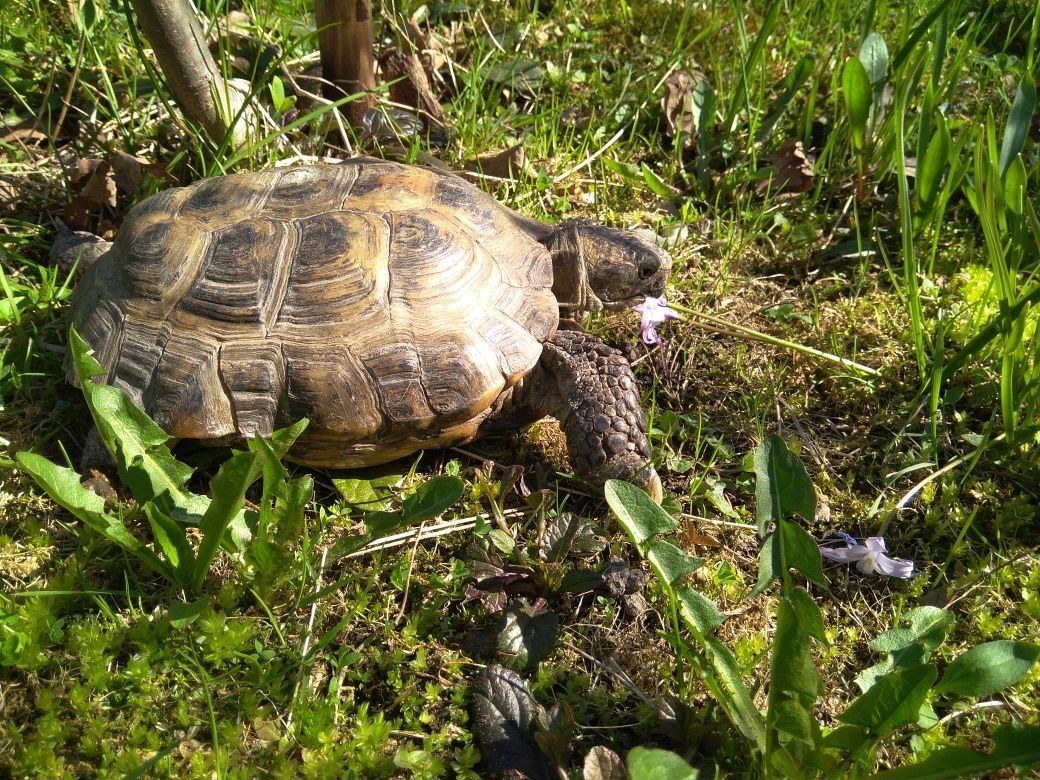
<point x="869" y="557"/>
<point x="654" y="311"/>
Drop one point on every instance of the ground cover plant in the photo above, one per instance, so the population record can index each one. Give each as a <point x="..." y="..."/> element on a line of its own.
<point x="848" y="193"/>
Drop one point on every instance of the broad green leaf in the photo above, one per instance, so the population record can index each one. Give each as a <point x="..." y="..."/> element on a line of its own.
<point x="431" y="498"/>
<point x="909" y="645"/>
<point x="699" y="610"/>
<point x="505" y="717"/>
<point x="379" y="524"/>
<point x="656" y="183"/>
<point x="228" y="488"/>
<point x="639" y="514"/>
<point x="873" y="53"/>
<point x="768" y="565"/>
<point x="1018" y="123"/>
<point x="657" y="764"/>
<point x="930" y="169"/>
<point x="895" y="700"/>
<point x="801" y="552"/>
<point x="183" y="614"/>
<point x="376" y="493"/>
<point x="858" y="98"/>
<point x="808" y="613"/>
<point x="1015" y="745"/>
<point x="277" y="92"/>
<point x="289" y="509"/>
<point x="284" y="438"/>
<point x="725" y="681"/>
<point x="64" y="487"/>
<point x="926" y="625"/>
<point x="173" y="542"/>
<point x="781" y="485"/>
<point x="988" y="668"/>
<point x="137" y="444"/>
<point x="558" y="535"/>
<point x="794" y="686"/>
<point x="670" y="563"/>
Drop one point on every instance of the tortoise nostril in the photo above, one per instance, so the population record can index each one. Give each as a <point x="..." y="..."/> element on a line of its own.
<point x="647" y="269"/>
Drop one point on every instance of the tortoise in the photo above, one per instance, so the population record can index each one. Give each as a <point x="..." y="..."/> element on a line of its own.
<point x="396" y="307"/>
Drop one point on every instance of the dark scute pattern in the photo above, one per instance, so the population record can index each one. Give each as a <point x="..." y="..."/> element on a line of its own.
<point x="332" y="269"/>
<point x="143" y="346"/>
<point x="452" y="374"/>
<point x="237" y="274"/>
<point x="398" y="376"/>
<point x="252" y="375"/>
<point x="330" y="387"/>
<point x="186" y="396"/>
<point x="144" y="251"/>
<point x="224" y="200"/>
<point x="456" y="196"/>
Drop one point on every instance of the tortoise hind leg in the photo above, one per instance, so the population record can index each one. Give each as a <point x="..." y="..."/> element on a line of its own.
<point x="590" y="389"/>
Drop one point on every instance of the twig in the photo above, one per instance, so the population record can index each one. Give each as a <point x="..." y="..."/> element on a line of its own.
<point x="425" y="532"/>
<point x="575" y="168"/>
<point x="411" y="568"/>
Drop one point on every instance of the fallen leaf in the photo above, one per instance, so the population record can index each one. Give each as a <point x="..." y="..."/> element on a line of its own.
<point x="410" y="86"/>
<point x="693" y="536"/>
<point x="793" y="170"/>
<point x="430" y="49"/>
<point x="682" y="114"/>
<point x="504" y="164"/>
<point x="94" y="188"/>
<point x="24" y="132"/>
<point x="602" y="763"/>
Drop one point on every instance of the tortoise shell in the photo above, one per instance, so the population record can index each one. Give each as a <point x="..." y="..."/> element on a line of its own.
<point x="390" y="305"/>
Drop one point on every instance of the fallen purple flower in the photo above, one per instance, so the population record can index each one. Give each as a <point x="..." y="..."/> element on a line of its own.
<point x="654" y="311"/>
<point x="869" y="557"/>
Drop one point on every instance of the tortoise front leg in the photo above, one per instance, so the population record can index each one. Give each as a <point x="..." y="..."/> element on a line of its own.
<point x="589" y="388"/>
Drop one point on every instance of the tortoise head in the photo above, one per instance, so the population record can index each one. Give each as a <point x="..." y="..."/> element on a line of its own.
<point x="597" y="267"/>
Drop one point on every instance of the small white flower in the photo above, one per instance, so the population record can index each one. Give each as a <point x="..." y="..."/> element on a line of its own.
<point x="869" y="557"/>
<point x="654" y="311"/>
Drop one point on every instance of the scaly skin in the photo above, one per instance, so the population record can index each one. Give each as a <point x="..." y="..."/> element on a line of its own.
<point x="589" y="388"/>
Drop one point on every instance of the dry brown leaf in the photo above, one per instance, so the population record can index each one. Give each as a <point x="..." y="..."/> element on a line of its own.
<point x="25" y="133"/>
<point x="681" y="113"/>
<point x="602" y="763"/>
<point x="127" y="170"/>
<point x="692" y="536"/>
<point x="428" y="47"/>
<point x="508" y="163"/>
<point x="410" y="86"/>
<point x="94" y="187"/>
<point x="794" y="170"/>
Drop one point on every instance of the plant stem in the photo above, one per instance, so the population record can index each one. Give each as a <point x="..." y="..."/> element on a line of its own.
<point x="765" y="338"/>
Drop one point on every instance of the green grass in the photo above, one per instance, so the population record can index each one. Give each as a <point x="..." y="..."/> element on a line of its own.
<point x="301" y="659"/>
